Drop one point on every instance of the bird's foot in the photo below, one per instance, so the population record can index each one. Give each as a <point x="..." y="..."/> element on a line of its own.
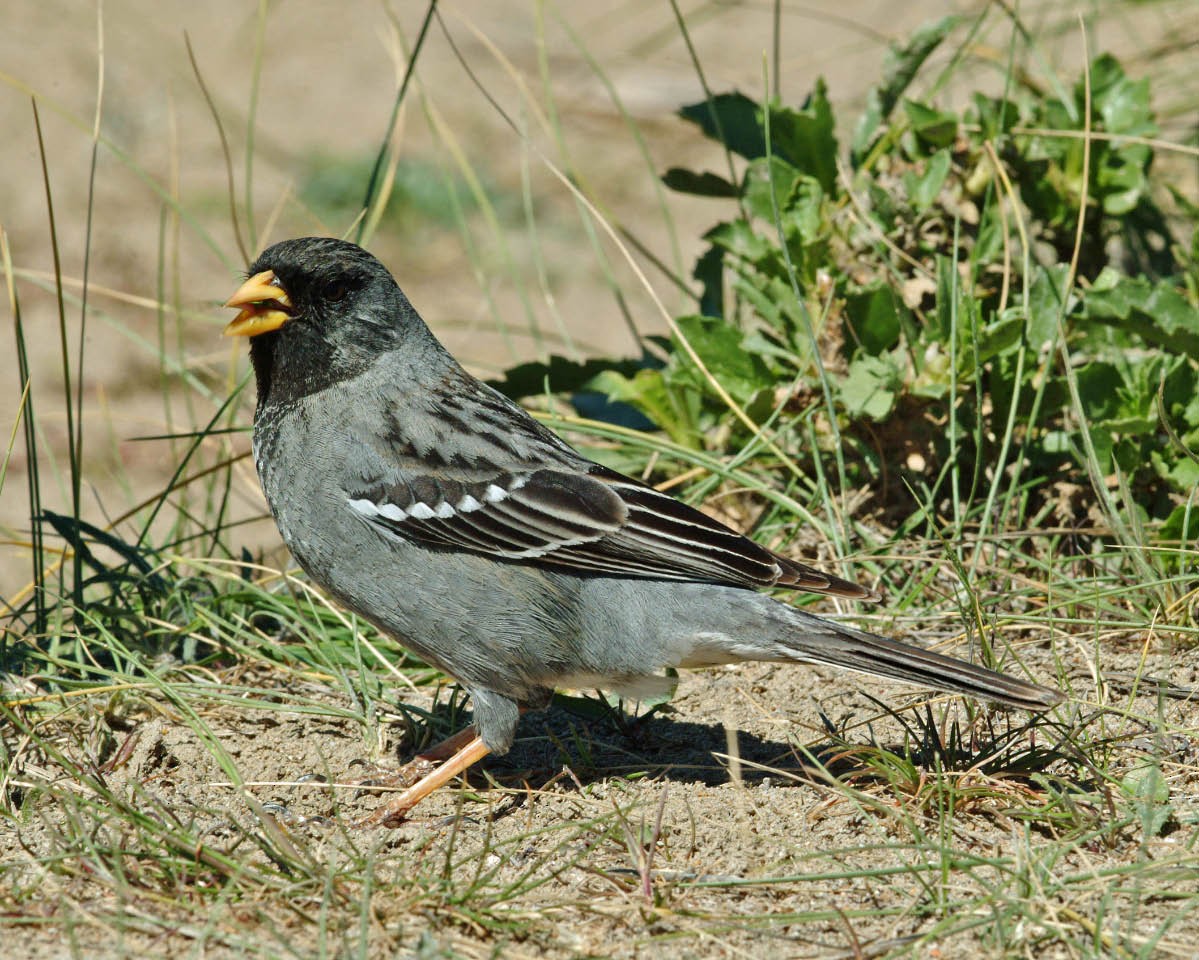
<point x="416" y="769"/>
<point x="424" y="774"/>
<point x="376" y="776"/>
<point x="285" y="816"/>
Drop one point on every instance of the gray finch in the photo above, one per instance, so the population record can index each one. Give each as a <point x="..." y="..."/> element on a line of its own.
<point x="440" y="511"/>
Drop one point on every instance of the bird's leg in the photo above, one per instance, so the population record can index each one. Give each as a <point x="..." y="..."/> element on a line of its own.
<point x="449" y="746"/>
<point x="460" y="751"/>
<point x="419" y="766"/>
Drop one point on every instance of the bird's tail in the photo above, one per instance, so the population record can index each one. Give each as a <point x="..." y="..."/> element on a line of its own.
<point x="838" y="645"/>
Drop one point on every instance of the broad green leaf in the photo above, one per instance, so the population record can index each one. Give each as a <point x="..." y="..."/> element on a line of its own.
<point x="1156" y="312"/>
<point x="805" y="219"/>
<point x="1045" y="304"/>
<point x="774" y="301"/>
<point x="1099" y="386"/>
<point x="741" y="240"/>
<point x="870" y="387"/>
<point x="719" y="345"/>
<point x="1182" y="526"/>
<point x="1121" y="180"/>
<point x="806" y="137"/>
<point x="1000" y="336"/>
<point x="900" y="67"/>
<point x="559" y="375"/>
<point x="935" y="128"/>
<point x="699" y="184"/>
<point x="995" y="116"/>
<point x="872" y="317"/>
<point x="1183" y="475"/>
<point x="935" y="372"/>
<point x="924" y="188"/>
<point x="1101" y="440"/>
<point x="768" y="183"/>
<point x="598" y="406"/>
<point x="674" y="411"/>
<point x="732" y="119"/>
<point x="1123" y="104"/>
<point x="1180" y="394"/>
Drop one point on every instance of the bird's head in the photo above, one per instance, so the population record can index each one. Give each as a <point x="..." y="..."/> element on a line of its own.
<point x="318" y="311"/>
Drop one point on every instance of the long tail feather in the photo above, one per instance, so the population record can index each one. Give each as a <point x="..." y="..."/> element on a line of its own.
<point x="852" y="649"/>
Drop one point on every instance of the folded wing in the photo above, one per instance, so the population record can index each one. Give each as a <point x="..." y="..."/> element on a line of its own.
<point x="597" y="521"/>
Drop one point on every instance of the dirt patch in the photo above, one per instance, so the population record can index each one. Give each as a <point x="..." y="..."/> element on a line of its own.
<point x="711" y="831"/>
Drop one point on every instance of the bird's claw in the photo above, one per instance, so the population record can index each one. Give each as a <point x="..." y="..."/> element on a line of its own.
<point x="285" y="815"/>
<point x="379" y="777"/>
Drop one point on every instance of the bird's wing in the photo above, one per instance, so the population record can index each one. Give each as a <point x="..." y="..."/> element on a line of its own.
<point x="589" y="519"/>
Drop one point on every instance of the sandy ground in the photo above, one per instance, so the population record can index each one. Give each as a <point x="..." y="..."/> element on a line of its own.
<point x="729" y="772"/>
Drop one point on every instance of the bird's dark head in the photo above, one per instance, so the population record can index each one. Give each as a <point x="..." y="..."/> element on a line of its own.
<point x="318" y="311"/>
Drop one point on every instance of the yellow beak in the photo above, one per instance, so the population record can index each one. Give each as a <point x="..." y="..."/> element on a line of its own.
<point x="265" y="306"/>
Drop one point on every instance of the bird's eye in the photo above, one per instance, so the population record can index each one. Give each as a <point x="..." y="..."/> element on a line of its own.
<point x="335" y="291"/>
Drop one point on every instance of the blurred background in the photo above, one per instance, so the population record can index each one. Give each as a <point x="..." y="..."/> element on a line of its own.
<point x="490" y="245"/>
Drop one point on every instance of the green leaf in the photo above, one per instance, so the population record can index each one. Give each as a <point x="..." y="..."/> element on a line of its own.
<point x="674" y="411"/>
<point x="872" y="317"/>
<point x="1129" y="425"/>
<point x="1099" y="386"/>
<point x="1001" y="336"/>
<point x="1123" y="104"/>
<point x="1121" y="178"/>
<point x="740" y="239"/>
<point x="1101" y="440"/>
<point x="1181" y="473"/>
<point x="1157" y="313"/>
<point x="1182" y="526"/>
<point x="934" y="128"/>
<point x="732" y="119"/>
<point x="1045" y="304"/>
<point x="774" y="301"/>
<point x="719" y="345"/>
<point x="768" y="181"/>
<point x="806" y="137"/>
<point x="925" y="188"/>
<point x="559" y="375"/>
<point x="805" y="219"/>
<point x="1180" y="395"/>
<point x="994" y="115"/>
<point x="870" y="387"/>
<point x="902" y="63"/>
<point x="699" y="184"/>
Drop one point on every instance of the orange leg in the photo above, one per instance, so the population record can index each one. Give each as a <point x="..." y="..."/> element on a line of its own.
<point x="449" y="746"/>
<point x="460" y="751"/>
<point x="416" y="768"/>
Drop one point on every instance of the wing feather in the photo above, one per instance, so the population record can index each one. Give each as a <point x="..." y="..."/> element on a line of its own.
<point x="598" y="521"/>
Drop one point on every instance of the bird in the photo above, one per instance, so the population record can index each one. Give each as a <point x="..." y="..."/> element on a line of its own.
<point x="443" y="513"/>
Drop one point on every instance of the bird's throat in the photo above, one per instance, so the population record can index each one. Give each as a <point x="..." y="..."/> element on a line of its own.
<point x="262" y="357"/>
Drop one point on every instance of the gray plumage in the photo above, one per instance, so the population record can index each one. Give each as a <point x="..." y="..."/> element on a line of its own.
<point x="440" y="511"/>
